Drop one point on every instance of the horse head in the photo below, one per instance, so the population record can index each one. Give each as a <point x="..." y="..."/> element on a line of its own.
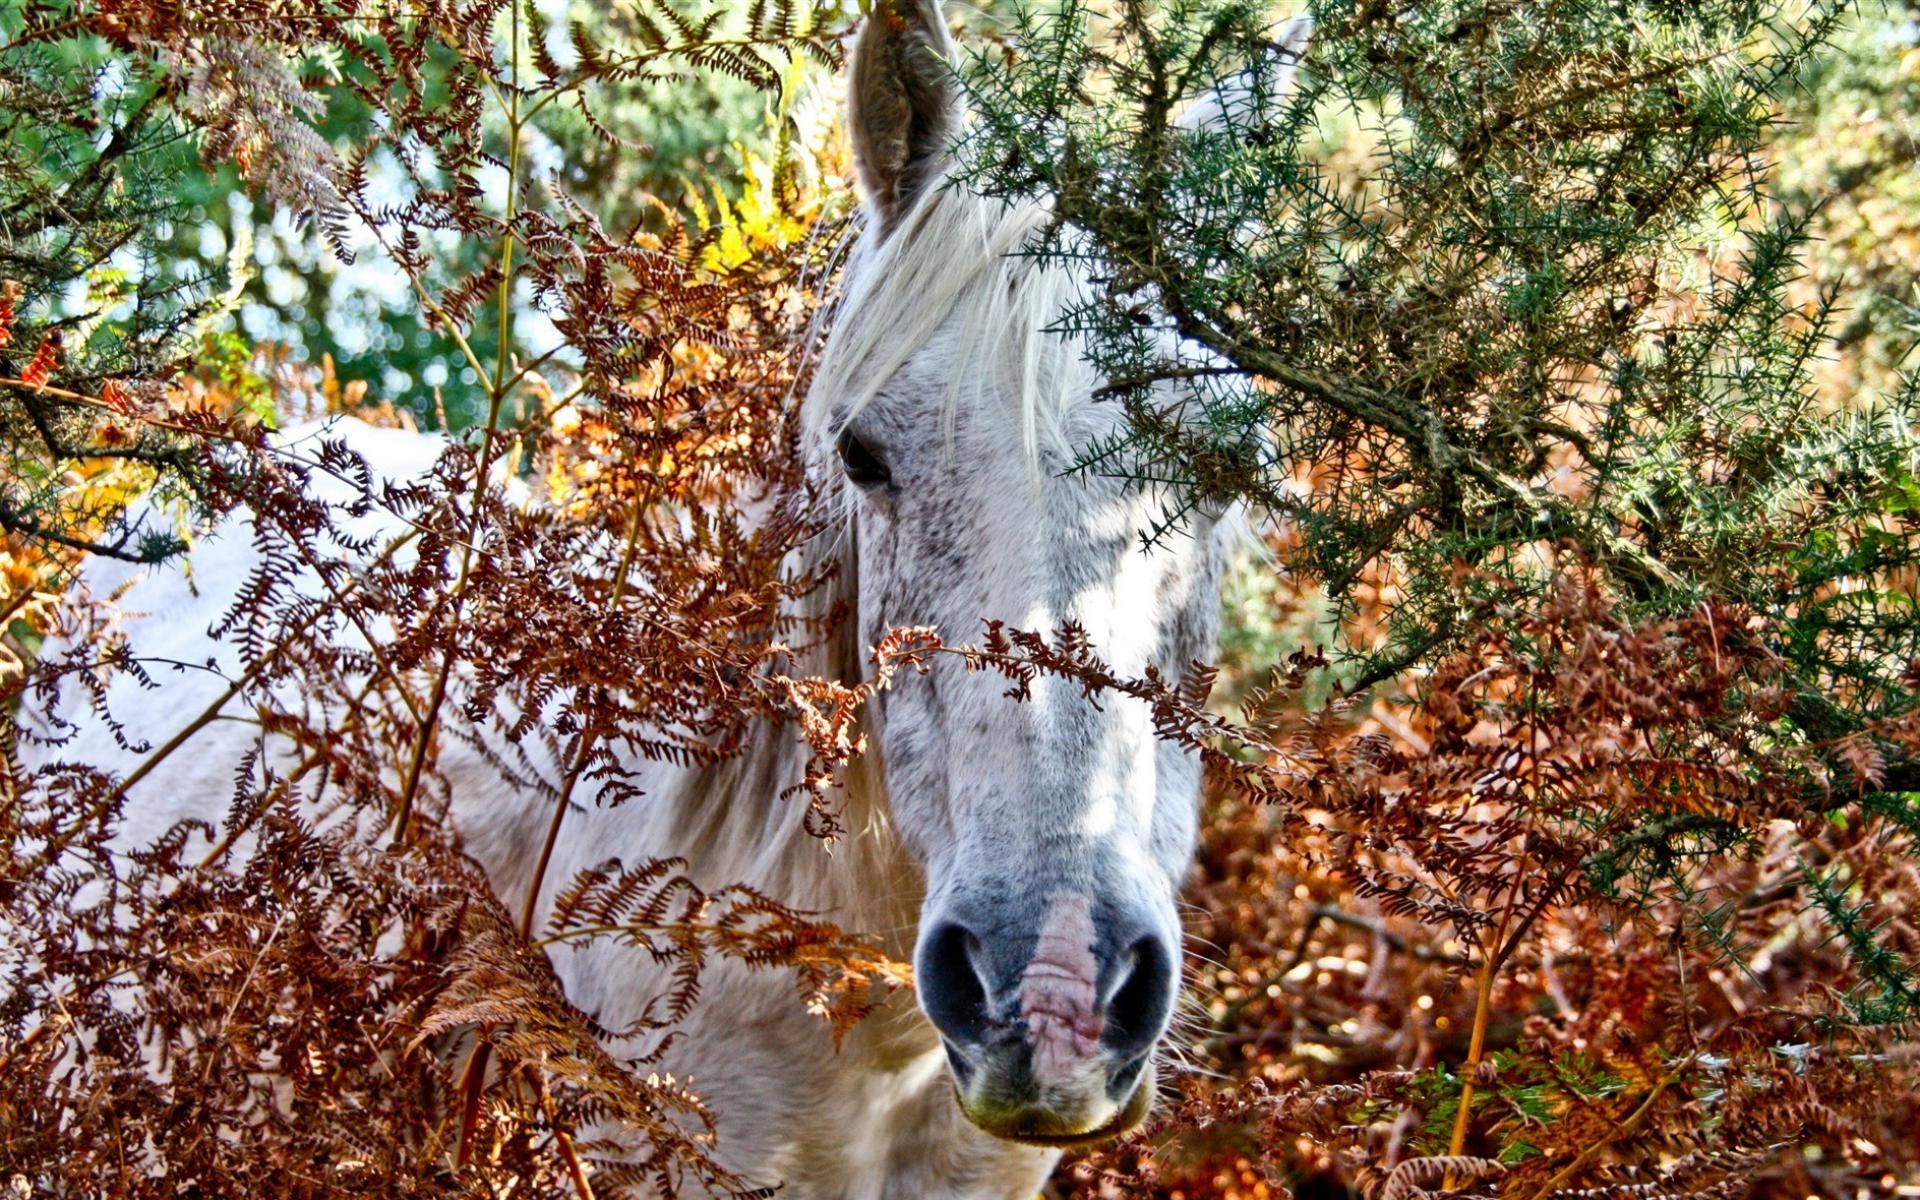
<point x="946" y="414"/>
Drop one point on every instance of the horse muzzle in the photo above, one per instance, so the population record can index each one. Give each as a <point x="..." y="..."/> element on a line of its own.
<point x="1049" y="1021"/>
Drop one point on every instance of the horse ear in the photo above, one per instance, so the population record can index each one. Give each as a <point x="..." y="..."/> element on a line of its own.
<point x="1251" y="99"/>
<point x="902" y="103"/>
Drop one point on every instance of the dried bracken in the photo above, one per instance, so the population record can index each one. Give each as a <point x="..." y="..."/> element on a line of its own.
<point x="1579" y="914"/>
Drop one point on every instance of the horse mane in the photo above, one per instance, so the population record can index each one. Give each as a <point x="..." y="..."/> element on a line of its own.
<point x="737" y="819"/>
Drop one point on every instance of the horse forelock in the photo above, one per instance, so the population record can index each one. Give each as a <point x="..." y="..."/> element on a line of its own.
<point x="957" y="269"/>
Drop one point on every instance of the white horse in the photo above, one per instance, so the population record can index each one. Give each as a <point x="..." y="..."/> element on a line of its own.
<point x="1026" y="855"/>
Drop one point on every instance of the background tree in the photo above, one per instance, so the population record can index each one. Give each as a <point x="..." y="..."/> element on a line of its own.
<point x="88" y="174"/>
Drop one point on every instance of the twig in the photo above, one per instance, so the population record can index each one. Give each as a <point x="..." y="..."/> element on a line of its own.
<point x="1298" y="955"/>
<point x="81" y="398"/>
<point x="1493" y="954"/>
<point x="1377" y="928"/>
<point x="473" y="1080"/>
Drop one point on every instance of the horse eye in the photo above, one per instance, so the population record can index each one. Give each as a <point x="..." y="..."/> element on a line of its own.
<point x="862" y="465"/>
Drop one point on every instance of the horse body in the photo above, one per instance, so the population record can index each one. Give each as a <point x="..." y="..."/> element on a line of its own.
<point x="1025" y="856"/>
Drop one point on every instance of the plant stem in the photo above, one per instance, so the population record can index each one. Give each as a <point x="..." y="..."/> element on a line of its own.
<point x="81" y="398"/>
<point x="206" y="717"/>
<point x="1494" y="954"/>
<point x="473" y="1079"/>
<point x="575" y="1169"/>
<point x="496" y="394"/>
<point x="587" y="738"/>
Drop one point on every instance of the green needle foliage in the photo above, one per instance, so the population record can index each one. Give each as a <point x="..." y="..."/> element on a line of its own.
<point x="90" y="163"/>
<point x="1494" y="290"/>
<point x="1487" y="304"/>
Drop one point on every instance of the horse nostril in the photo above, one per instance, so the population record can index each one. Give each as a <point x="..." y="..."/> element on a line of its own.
<point x="952" y="985"/>
<point x="1142" y="998"/>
